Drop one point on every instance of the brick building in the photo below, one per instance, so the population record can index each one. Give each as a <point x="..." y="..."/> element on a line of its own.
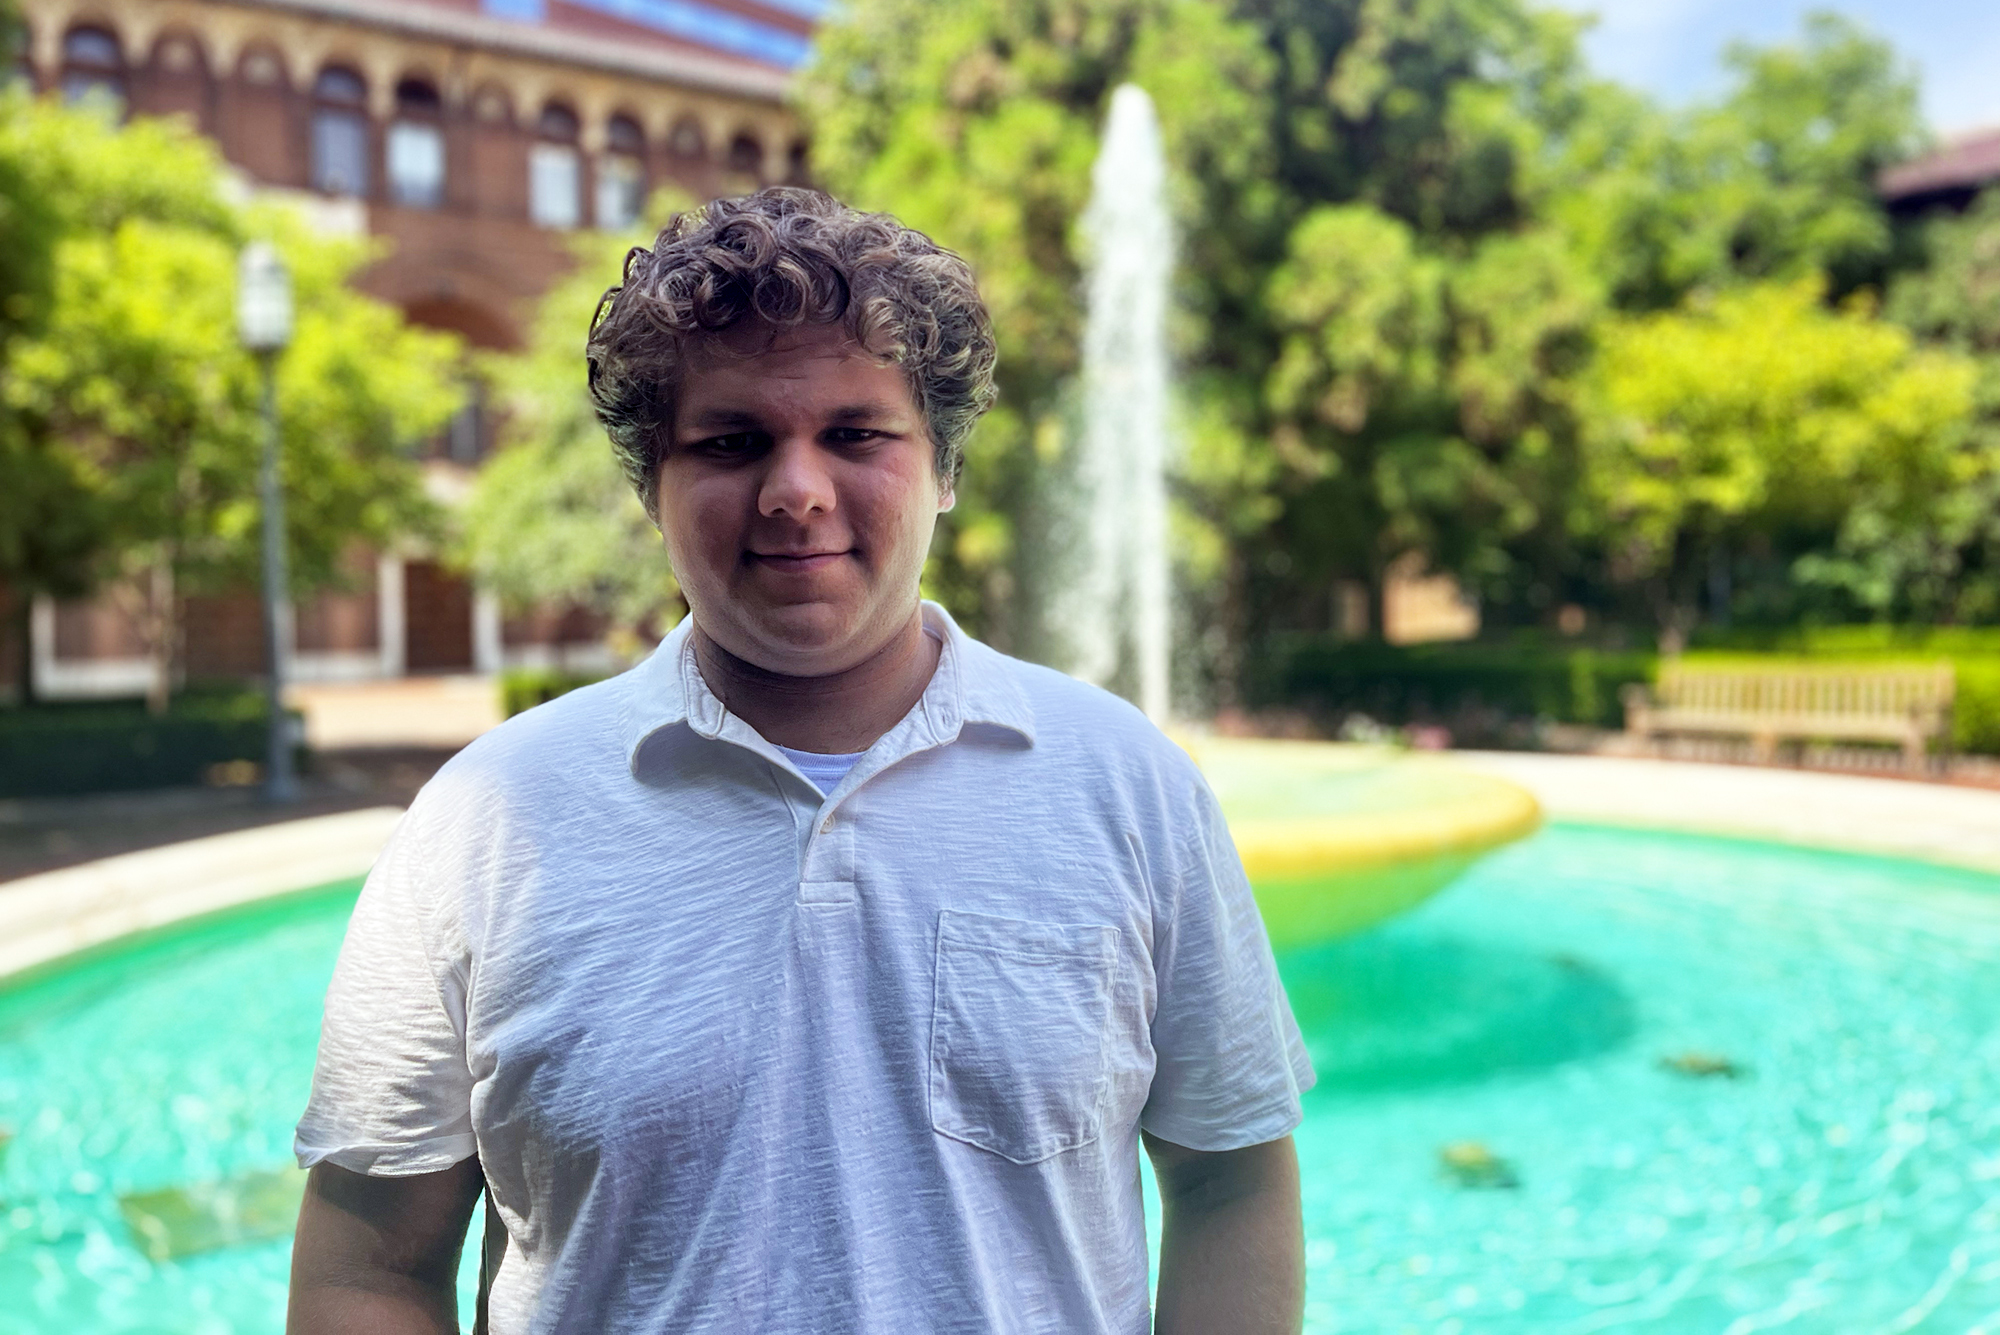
<point x="1946" y="179"/>
<point x="470" y="135"/>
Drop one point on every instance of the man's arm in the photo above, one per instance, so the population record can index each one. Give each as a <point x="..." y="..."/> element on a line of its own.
<point x="1232" y="1245"/>
<point x="380" y="1254"/>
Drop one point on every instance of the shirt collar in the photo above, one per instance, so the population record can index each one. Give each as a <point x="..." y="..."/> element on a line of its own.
<point x="972" y="684"/>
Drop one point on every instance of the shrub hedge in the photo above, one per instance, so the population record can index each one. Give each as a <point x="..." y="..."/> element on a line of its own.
<point x="61" y="750"/>
<point x="1495" y="691"/>
<point x="521" y="689"/>
<point x="1482" y="691"/>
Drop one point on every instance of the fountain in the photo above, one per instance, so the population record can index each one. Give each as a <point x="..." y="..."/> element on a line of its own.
<point x="1116" y="606"/>
<point x="1335" y="838"/>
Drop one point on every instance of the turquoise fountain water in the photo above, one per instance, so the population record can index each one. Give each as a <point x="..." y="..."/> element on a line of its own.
<point x="1735" y="1087"/>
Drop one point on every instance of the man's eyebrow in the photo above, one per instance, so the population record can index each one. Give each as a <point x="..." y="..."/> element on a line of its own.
<point x="715" y="419"/>
<point x="856" y="412"/>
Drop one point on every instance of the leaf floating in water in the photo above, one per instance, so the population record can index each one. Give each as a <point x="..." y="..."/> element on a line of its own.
<point x="1469" y="1164"/>
<point x="1702" y="1065"/>
<point x="173" y="1222"/>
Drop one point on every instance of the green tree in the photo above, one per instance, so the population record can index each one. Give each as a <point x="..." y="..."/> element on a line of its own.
<point x="131" y="386"/>
<point x="1425" y="398"/>
<point x="1420" y="318"/>
<point x="64" y="172"/>
<point x="1404" y="229"/>
<point x="1762" y="423"/>
<point x="551" y="519"/>
<point x="1775" y="180"/>
<point x="978" y="123"/>
<point x="1953" y="299"/>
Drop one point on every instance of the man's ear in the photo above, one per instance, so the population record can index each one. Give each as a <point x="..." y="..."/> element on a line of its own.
<point x="947" y="496"/>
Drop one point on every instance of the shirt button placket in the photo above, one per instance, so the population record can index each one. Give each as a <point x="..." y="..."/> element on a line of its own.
<point x="828" y="874"/>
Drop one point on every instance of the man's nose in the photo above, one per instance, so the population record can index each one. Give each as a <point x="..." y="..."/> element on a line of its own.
<point x="796" y="481"/>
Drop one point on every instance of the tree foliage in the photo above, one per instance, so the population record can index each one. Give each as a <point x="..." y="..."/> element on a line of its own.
<point x="1761" y="422"/>
<point x="1428" y="266"/>
<point x="130" y="401"/>
<point x="551" y="519"/>
<point x="1954" y="299"/>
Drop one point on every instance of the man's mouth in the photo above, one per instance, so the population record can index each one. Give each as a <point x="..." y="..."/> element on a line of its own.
<point x="796" y="563"/>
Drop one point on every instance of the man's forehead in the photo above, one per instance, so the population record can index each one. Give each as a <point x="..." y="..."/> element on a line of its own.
<point x="813" y="368"/>
<point x="760" y="341"/>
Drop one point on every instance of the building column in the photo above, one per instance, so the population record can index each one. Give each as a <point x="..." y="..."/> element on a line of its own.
<point x="488" y="651"/>
<point x="42" y="641"/>
<point x="391" y="618"/>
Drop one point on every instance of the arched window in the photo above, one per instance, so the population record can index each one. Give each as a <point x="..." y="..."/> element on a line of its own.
<point x="416" y="146"/>
<point x="262" y="67"/>
<point x="178" y="54"/>
<point x="687" y="140"/>
<point x="93" y="69"/>
<point x="746" y="155"/>
<point x="340" y="132"/>
<point x="490" y="106"/>
<point x="621" y="175"/>
<point x="179" y="78"/>
<point x="555" y="172"/>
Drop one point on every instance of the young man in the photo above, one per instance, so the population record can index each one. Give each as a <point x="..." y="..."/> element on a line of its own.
<point x="826" y="971"/>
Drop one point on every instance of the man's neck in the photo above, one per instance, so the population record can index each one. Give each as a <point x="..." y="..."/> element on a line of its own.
<point x="840" y="713"/>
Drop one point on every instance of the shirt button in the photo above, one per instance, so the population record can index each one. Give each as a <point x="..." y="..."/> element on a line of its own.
<point x="826" y="826"/>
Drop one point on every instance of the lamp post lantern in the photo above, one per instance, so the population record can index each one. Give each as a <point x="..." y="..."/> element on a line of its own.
<point x="264" y="323"/>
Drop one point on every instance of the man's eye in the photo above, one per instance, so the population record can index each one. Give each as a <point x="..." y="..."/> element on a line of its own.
<point x="851" y="435"/>
<point x="735" y="443"/>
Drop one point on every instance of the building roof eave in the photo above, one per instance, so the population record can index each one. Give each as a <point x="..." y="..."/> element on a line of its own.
<point x="695" y="69"/>
<point x="1965" y="162"/>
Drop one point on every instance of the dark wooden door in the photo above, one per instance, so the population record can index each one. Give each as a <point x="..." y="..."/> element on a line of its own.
<point x="438" y="608"/>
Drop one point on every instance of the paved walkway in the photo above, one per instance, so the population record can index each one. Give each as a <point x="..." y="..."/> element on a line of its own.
<point x="1936" y="822"/>
<point x="403" y="712"/>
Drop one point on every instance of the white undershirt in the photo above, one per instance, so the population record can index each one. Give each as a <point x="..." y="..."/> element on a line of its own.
<point x="826" y="771"/>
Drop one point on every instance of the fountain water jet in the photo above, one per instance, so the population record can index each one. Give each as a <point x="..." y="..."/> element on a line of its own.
<point x="1335" y="839"/>
<point x="1116" y="610"/>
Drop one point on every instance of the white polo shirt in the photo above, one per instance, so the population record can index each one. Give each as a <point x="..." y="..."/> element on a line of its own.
<point x="737" y="1056"/>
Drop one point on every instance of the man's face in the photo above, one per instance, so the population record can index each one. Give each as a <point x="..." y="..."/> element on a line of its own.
<point x="797" y="498"/>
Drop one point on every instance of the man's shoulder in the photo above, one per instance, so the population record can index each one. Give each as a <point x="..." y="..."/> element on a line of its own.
<point x="543" y="749"/>
<point x="1077" y="723"/>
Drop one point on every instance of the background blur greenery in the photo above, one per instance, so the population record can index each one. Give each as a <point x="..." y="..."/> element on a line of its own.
<point x="1445" y="300"/>
<point x="1446" y="295"/>
<point x="130" y="414"/>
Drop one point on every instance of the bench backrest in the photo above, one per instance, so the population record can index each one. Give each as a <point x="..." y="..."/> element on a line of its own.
<point x="1896" y="692"/>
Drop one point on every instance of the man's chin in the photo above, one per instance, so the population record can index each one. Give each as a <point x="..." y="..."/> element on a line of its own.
<point x="802" y="640"/>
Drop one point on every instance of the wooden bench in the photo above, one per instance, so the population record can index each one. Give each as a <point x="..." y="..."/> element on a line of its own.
<point x="1909" y="707"/>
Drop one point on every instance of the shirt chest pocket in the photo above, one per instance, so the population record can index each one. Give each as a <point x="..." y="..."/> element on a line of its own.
<point x="1019" y="1026"/>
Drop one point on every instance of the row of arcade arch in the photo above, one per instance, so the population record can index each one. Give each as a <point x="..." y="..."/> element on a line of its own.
<point x="414" y="162"/>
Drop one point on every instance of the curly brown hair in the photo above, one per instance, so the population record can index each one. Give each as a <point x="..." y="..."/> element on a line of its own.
<point x="787" y="257"/>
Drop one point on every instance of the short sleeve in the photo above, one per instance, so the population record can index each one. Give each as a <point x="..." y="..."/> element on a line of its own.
<point x="391" y="1092"/>
<point x="1230" y="1064"/>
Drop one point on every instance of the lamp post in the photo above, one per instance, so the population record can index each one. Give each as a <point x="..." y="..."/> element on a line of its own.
<point x="264" y="322"/>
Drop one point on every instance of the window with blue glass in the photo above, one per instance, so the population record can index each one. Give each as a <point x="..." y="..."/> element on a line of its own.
<point x="416" y="146"/>
<point x="93" y="71"/>
<point x="340" y="133"/>
<point x="555" y="170"/>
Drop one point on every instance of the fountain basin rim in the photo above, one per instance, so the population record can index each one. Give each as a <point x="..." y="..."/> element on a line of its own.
<point x="55" y="914"/>
<point x="1301" y="846"/>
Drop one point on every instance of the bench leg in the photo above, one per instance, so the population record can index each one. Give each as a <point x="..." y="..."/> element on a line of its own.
<point x="1914" y="757"/>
